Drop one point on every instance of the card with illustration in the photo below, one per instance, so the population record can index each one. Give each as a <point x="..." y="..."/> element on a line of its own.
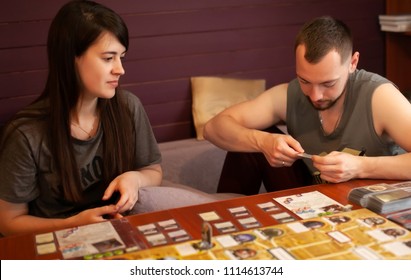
<point x="310" y="204"/>
<point x="107" y="245"/>
<point x="90" y="239"/>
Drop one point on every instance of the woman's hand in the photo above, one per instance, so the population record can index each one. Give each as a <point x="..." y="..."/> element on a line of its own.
<point x="129" y="183"/>
<point x="95" y="215"/>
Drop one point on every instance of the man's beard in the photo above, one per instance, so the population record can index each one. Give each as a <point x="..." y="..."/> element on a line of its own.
<point x="331" y="103"/>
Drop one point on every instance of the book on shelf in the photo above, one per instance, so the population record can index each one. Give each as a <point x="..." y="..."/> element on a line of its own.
<point x="395" y="23"/>
<point x="396" y="27"/>
<point x="383" y="198"/>
<point x="395" y="18"/>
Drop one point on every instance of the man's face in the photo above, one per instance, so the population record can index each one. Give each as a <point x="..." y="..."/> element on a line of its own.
<point x="322" y="83"/>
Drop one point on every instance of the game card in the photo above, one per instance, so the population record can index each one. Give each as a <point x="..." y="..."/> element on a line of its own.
<point x="185" y="249"/>
<point x="366" y="253"/>
<point x="283" y="217"/>
<point x="281" y="254"/>
<point x="268" y="207"/>
<point x="403" y="218"/>
<point x="298" y="227"/>
<point x="249" y="222"/>
<point x="239" y="211"/>
<point x="170" y="224"/>
<point x="46" y="248"/>
<point x="89" y="239"/>
<point x="310" y="204"/>
<point x="156" y="239"/>
<point x="339" y="236"/>
<point x="387" y="234"/>
<point x="148" y="229"/>
<point x="227" y="241"/>
<point x="394" y="195"/>
<point x="399" y="248"/>
<point x="209" y="216"/>
<point x="44" y="238"/>
<point x="225" y="227"/>
<point x="304" y="155"/>
<point x="179" y="235"/>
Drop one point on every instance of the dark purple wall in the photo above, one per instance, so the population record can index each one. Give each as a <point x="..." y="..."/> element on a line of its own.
<point x="172" y="40"/>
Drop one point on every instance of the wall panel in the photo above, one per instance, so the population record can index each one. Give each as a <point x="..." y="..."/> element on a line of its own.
<point x="172" y="40"/>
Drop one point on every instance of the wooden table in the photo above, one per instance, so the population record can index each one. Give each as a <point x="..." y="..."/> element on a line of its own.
<point x="23" y="246"/>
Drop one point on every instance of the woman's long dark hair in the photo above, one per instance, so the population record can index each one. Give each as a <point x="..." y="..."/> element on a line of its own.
<point x="75" y="27"/>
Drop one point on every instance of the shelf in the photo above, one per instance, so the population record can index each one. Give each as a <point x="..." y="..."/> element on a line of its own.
<point x="398" y="44"/>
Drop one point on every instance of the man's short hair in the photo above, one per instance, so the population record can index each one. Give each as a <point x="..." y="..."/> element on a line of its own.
<point x="323" y="34"/>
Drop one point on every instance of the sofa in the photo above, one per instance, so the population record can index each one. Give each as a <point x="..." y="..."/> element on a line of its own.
<point x="193" y="163"/>
<point x="191" y="171"/>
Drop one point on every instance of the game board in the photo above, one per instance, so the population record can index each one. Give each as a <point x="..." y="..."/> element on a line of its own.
<point x="358" y="234"/>
<point x="327" y="230"/>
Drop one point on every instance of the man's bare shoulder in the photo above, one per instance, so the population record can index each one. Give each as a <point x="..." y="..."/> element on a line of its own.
<point x="280" y="88"/>
<point x="388" y="93"/>
<point x="277" y="93"/>
<point x="391" y="110"/>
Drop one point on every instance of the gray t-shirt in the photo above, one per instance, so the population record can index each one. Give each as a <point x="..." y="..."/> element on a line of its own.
<point x="356" y="128"/>
<point x="28" y="173"/>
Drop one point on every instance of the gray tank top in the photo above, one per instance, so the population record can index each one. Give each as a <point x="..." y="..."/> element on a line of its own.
<point x="356" y="128"/>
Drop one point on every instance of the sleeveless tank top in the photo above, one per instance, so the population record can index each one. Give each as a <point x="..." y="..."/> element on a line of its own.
<point x="355" y="129"/>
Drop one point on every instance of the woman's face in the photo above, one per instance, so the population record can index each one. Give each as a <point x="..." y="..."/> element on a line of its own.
<point x="100" y="67"/>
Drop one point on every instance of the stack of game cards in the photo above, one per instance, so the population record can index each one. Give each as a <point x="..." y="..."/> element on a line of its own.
<point x="402" y="218"/>
<point x="360" y="195"/>
<point x="383" y="198"/>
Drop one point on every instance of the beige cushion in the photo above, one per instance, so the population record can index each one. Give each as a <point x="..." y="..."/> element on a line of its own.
<point x="211" y="95"/>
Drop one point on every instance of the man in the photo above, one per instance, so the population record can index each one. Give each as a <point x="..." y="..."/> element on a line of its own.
<point x="332" y="110"/>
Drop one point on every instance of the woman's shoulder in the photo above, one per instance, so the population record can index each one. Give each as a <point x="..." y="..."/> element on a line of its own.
<point x="131" y="100"/>
<point x="129" y="96"/>
<point x="30" y="120"/>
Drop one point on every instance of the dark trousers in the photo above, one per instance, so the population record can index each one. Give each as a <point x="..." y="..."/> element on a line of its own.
<point x="244" y="172"/>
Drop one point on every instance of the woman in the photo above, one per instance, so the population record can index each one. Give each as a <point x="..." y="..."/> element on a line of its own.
<point x="84" y="148"/>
